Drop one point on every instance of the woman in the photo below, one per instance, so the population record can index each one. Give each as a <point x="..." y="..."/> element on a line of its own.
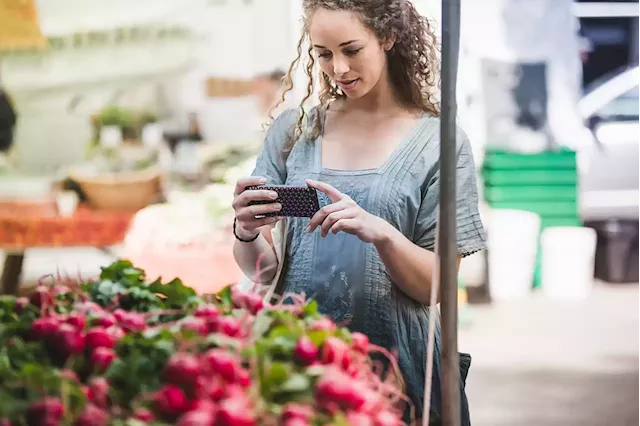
<point x="371" y="150"/>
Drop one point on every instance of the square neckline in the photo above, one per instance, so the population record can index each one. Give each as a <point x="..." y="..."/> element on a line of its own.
<point x="405" y="140"/>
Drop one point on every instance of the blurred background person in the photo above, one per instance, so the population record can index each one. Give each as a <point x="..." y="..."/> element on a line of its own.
<point x="7" y="120"/>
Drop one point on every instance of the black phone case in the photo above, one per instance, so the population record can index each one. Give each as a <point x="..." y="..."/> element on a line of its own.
<point x="297" y="201"/>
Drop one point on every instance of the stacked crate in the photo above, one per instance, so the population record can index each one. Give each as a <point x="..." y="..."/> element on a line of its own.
<point x="544" y="183"/>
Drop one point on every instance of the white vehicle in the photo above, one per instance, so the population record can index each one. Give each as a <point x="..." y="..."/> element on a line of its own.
<point x="609" y="185"/>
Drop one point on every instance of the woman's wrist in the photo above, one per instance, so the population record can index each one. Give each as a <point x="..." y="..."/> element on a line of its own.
<point x="385" y="233"/>
<point x="244" y="235"/>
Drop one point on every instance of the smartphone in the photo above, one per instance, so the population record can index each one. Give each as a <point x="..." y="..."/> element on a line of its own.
<point x="297" y="201"/>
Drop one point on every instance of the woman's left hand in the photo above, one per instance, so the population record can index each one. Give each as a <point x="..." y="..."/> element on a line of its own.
<point x="344" y="214"/>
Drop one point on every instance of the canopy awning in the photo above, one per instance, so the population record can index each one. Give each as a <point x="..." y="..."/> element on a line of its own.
<point x="20" y="26"/>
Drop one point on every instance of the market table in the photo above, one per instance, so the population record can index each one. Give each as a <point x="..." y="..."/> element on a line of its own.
<point x="23" y="227"/>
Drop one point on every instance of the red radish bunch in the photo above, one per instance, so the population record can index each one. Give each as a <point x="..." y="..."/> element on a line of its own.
<point x="232" y="360"/>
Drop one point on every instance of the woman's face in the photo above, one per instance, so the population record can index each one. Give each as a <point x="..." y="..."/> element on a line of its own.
<point x="348" y="52"/>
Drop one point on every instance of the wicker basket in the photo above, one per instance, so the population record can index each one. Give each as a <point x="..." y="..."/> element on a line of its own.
<point x="125" y="192"/>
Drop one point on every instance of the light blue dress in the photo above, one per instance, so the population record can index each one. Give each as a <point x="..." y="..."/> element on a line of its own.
<point x="345" y="275"/>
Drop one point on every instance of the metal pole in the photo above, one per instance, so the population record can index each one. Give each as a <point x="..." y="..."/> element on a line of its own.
<point x="447" y="234"/>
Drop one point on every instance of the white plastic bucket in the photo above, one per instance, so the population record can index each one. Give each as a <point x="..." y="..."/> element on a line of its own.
<point x="513" y="245"/>
<point x="568" y="255"/>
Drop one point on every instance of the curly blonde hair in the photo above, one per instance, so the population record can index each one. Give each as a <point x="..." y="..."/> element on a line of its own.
<point x="413" y="63"/>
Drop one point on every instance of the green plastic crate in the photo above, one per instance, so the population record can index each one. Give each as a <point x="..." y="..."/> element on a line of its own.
<point x="494" y="194"/>
<point x="561" y="159"/>
<point x="529" y="177"/>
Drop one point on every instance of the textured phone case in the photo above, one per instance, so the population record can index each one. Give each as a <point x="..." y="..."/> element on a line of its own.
<point x="296" y="201"/>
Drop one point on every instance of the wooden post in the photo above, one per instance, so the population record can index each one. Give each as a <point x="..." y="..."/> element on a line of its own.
<point x="447" y="233"/>
<point x="11" y="273"/>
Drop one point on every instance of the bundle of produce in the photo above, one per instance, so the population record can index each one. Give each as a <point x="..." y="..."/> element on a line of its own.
<point x="119" y="350"/>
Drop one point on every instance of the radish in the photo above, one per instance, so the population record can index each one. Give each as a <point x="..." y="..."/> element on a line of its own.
<point x="170" y="402"/>
<point x="197" y="418"/>
<point x="221" y="362"/>
<point x="104" y="319"/>
<point x="117" y="332"/>
<point x="207" y="311"/>
<point x="99" y="337"/>
<point x="132" y="321"/>
<point x="77" y="320"/>
<point x="195" y="324"/>
<point x="360" y="342"/>
<point x="336" y="387"/>
<point x="296" y="411"/>
<point x="212" y="324"/>
<point x="182" y="369"/>
<point x="235" y="412"/>
<point x="359" y="419"/>
<point x="305" y="351"/>
<point x="92" y="416"/>
<point x="336" y="352"/>
<point x="228" y="326"/>
<point x="144" y="415"/>
<point x="209" y="388"/>
<point x="68" y="341"/>
<point x="99" y="391"/>
<point x="239" y="299"/>
<point x="252" y="302"/>
<point x="41" y="297"/>
<point x="44" y="328"/>
<point x="102" y="358"/>
<point x="120" y="314"/>
<point x="45" y="412"/>
<point x="323" y="324"/>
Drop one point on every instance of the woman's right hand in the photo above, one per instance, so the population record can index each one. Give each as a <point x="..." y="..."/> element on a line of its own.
<point x="247" y="226"/>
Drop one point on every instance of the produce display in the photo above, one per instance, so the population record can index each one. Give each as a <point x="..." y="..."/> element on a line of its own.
<point x="119" y="350"/>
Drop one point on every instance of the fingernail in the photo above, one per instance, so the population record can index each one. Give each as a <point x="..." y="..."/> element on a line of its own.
<point x="308" y="228"/>
<point x="273" y="195"/>
<point x="263" y="180"/>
